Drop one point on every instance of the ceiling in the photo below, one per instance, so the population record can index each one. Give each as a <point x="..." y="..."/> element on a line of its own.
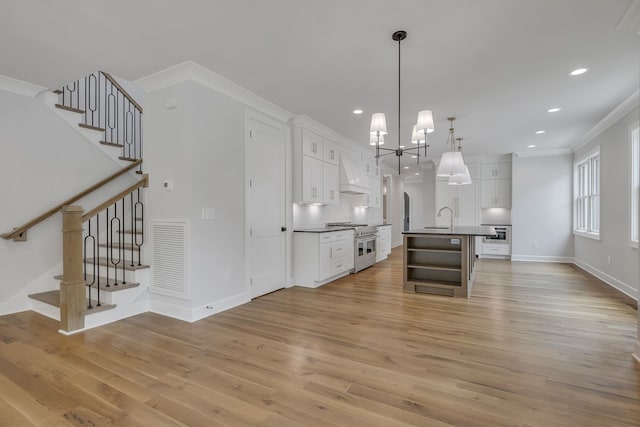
<point x="497" y="65"/>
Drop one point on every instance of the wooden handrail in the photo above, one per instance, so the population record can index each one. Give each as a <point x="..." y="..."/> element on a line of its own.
<point x="19" y="230"/>
<point x="121" y="89"/>
<point x="144" y="182"/>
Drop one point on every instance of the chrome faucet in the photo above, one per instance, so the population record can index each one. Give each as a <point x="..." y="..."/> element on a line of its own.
<point x="450" y="211"/>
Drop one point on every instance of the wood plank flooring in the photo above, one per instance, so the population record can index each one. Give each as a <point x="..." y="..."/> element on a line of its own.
<point x="535" y="345"/>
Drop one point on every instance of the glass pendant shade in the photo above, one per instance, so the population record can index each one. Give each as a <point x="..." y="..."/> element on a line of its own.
<point x="451" y="163"/>
<point x="425" y="122"/>
<point x="378" y="124"/>
<point x="373" y="139"/>
<point x="416" y="137"/>
<point x="463" y="179"/>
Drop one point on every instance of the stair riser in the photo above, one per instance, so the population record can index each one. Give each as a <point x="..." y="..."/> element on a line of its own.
<point x="118" y="298"/>
<point x="129" y="276"/>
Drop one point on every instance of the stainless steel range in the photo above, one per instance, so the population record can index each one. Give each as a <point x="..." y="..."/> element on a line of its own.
<point x="365" y="243"/>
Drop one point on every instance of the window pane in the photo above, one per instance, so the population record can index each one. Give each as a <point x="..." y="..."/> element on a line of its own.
<point x="595" y="214"/>
<point x="595" y="175"/>
<point x="635" y="183"/>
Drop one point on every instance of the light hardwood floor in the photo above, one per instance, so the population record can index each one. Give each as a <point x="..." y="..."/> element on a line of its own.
<point x="535" y="345"/>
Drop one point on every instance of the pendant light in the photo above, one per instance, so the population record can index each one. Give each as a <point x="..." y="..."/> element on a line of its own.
<point x="423" y="126"/>
<point x="451" y="162"/>
<point x="460" y="179"/>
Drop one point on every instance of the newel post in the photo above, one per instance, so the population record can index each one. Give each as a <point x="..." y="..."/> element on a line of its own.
<point x="72" y="286"/>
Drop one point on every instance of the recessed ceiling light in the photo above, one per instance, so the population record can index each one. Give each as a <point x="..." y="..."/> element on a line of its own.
<point x="554" y="109"/>
<point x="417" y="173"/>
<point x="414" y="157"/>
<point x="403" y="146"/>
<point x="540" y="132"/>
<point x="531" y="146"/>
<point x="578" y="71"/>
<point x="406" y="167"/>
<point x="358" y="111"/>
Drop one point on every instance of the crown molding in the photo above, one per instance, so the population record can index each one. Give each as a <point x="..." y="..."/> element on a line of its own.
<point x="192" y="71"/>
<point x="627" y="106"/>
<point x="19" y="87"/>
<point x="544" y="153"/>
<point x="630" y="21"/>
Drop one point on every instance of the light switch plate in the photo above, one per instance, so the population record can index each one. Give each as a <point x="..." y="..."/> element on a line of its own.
<point x="208" y="213"/>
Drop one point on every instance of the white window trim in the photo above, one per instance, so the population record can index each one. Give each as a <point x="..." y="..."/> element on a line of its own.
<point x="588" y="234"/>
<point x="633" y="212"/>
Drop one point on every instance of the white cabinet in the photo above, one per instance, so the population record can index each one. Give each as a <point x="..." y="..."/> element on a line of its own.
<point x="496" y="171"/>
<point x="372" y="172"/>
<point x="463" y="201"/>
<point x="496" y="193"/>
<point x="319" y="258"/>
<point x="312" y="180"/>
<point x="316" y="176"/>
<point x="383" y="242"/>
<point x="331" y="183"/>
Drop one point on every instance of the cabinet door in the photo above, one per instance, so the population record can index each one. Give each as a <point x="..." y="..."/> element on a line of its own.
<point x="330" y="152"/>
<point x="503" y="193"/>
<point x="312" y="177"/>
<point x="368" y="165"/>
<point x="312" y="144"/>
<point x="503" y="170"/>
<point x="466" y="205"/>
<point x="488" y="193"/>
<point x="445" y="196"/>
<point x="324" y="266"/>
<point x="375" y="199"/>
<point x="489" y="171"/>
<point x="331" y="185"/>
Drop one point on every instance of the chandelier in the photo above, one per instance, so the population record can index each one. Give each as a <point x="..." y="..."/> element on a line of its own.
<point x="423" y="126"/>
<point x="451" y="163"/>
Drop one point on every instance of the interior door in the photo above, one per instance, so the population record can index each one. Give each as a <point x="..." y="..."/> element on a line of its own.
<point x="266" y="220"/>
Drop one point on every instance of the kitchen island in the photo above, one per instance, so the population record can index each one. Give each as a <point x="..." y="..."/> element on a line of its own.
<point x="441" y="260"/>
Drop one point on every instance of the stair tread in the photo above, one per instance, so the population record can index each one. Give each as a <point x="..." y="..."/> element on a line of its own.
<point x="82" y="125"/>
<point x="53" y="298"/>
<point x="103" y="283"/>
<point x="73" y="110"/>
<point x="132" y="232"/>
<point x="127" y="246"/>
<point x="128" y="159"/>
<point x="112" y="144"/>
<point x="49" y="297"/>
<point x="105" y="262"/>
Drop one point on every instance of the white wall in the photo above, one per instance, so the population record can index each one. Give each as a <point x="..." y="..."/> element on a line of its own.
<point x="541" y="211"/>
<point x="200" y="146"/>
<point x="396" y="208"/>
<point x="46" y="162"/>
<point x="614" y="214"/>
<point x="429" y="197"/>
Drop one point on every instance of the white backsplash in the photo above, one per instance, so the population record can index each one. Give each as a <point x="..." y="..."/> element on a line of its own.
<point x="349" y="210"/>
<point x="496" y="216"/>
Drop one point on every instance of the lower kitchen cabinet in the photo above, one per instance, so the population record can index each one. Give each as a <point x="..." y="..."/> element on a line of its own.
<point x="319" y="258"/>
<point x="383" y="242"/>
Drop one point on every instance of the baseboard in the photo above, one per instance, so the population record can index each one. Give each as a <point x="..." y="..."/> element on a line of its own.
<point x="219" y="306"/>
<point x="540" y="258"/>
<point x="609" y="280"/>
<point x="636" y="352"/>
<point x="191" y="315"/>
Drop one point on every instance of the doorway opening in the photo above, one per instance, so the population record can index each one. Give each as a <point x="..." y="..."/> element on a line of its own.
<point x="407" y="212"/>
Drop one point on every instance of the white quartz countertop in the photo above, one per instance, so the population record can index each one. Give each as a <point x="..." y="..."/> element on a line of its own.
<point x="462" y="230"/>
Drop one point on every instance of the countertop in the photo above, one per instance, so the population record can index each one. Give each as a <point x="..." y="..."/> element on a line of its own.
<point x="330" y="229"/>
<point x="460" y="230"/>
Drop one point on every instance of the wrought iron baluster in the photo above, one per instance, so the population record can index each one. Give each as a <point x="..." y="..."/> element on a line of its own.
<point x="115" y="222"/>
<point x="97" y="277"/>
<point x="89" y="240"/>
<point x="133" y="227"/>
<point x="139" y="238"/>
<point x="121" y="246"/>
<point x="92" y="104"/>
<point x="106" y="222"/>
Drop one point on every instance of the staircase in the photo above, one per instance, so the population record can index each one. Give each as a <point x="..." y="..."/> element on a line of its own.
<point x="103" y="278"/>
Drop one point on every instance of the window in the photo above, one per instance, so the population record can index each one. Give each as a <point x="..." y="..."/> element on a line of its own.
<point x="635" y="182"/>
<point x="586" y="182"/>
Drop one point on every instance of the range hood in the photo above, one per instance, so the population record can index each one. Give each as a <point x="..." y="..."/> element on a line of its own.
<point x="352" y="177"/>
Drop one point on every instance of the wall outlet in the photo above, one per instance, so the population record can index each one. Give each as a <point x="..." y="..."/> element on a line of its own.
<point x="534" y="245"/>
<point x="208" y="213"/>
<point x="167" y="185"/>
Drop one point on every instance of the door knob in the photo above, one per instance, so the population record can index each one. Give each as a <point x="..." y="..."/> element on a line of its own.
<point x="283" y="228"/>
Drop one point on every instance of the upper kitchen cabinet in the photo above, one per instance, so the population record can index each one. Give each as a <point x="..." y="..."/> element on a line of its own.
<point x="312" y="144"/>
<point x="496" y="171"/>
<point x="496" y="193"/>
<point x="372" y="171"/>
<point x="330" y="152"/>
<point x="463" y="201"/>
<point x="315" y="168"/>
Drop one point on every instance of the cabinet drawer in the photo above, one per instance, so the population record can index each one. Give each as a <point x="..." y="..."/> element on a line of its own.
<point x="339" y="265"/>
<point x="312" y="144"/>
<point x="333" y="237"/>
<point x="495" y="249"/>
